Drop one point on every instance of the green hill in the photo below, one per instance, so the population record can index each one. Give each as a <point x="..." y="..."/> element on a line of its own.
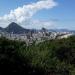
<point x="54" y="57"/>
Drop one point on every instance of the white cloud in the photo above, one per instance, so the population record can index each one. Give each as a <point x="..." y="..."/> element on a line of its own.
<point x="38" y="24"/>
<point x="25" y="13"/>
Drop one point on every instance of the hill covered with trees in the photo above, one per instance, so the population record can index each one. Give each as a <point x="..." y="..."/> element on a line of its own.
<point x="52" y="57"/>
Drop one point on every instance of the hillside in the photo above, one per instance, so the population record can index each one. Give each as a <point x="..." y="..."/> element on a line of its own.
<point x="54" y="57"/>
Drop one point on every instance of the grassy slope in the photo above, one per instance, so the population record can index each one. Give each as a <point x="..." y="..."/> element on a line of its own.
<point x="55" y="57"/>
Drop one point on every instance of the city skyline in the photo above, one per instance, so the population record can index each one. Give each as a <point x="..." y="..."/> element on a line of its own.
<point x="51" y="14"/>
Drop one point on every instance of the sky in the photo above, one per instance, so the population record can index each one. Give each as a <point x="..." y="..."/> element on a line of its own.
<point x="51" y="14"/>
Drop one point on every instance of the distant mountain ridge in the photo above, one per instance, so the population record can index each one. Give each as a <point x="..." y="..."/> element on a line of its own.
<point x="14" y="28"/>
<point x="1" y="29"/>
<point x="17" y="29"/>
<point x="61" y="30"/>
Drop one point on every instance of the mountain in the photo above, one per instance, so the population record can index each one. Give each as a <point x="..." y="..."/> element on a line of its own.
<point x="61" y="30"/>
<point x="1" y="29"/>
<point x="15" y="28"/>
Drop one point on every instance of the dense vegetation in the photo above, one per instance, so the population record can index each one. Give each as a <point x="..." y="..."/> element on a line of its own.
<point x="52" y="57"/>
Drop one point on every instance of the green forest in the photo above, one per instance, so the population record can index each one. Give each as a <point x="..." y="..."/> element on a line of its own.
<point x="51" y="57"/>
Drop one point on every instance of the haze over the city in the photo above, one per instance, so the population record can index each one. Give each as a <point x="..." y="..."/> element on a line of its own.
<point x="51" y="14"/>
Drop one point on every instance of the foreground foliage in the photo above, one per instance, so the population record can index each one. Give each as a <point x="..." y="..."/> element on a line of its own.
<point x="52" y="57"/>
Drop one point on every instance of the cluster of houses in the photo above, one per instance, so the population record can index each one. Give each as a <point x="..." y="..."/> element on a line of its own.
<point x="36" y="36"/>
